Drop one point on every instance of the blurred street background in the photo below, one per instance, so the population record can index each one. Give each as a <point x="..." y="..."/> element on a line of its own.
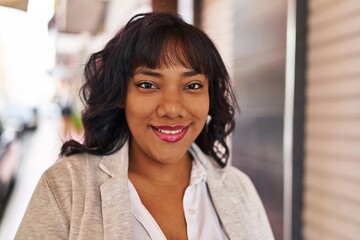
<point x="295" y="66"/>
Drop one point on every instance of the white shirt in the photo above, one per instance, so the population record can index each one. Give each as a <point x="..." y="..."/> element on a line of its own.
<point x="201" y="218"/>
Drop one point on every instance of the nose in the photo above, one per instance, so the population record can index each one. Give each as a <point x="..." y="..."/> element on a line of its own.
<point x="171" y="105"/>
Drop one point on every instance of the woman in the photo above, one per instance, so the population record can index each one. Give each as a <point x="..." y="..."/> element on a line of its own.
<point x="153" y="163"/>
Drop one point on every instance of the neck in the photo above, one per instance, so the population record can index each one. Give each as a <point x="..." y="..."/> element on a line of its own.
<point x="161" y="174"/>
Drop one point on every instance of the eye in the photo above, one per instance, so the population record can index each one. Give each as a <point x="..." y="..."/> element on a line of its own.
<point x="194" y="86"/>
<point x="146" y="85"/>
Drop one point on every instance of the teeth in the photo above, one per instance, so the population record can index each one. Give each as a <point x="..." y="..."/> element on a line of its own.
<point x="170" y="132"/>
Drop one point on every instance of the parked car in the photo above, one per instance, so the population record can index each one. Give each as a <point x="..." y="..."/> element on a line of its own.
<point x="9" y="160"/>
<point x="20" y="117"/>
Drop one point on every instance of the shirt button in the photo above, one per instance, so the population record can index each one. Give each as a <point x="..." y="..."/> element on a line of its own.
<point x="192" y="211"/>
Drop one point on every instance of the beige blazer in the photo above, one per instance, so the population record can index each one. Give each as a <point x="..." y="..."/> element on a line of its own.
<point x="87" y="197"/>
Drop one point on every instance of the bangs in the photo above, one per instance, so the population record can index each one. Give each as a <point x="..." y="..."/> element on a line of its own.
<point x="169" y="48"/>
<point x="174" y="53"/>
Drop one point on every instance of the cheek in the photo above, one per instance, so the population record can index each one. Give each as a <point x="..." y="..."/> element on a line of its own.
<point x="137" y="109"/>
<point x="201" y="109"/>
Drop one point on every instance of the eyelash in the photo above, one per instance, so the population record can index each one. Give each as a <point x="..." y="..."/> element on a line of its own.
<point x="198" y="86"/>
<point x="149" y="85"/>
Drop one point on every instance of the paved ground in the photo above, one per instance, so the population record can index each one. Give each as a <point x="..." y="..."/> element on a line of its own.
<point x="40" y="150"/>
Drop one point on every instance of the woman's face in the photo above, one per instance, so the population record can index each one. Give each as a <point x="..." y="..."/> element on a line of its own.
<point x="166" y="109"/>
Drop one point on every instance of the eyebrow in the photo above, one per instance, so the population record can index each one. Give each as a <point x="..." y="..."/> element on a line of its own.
<point x="191" y="73"/>
<point x="156" y="74"/>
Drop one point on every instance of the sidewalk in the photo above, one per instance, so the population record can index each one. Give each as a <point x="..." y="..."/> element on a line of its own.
<point x="40" y="150"/>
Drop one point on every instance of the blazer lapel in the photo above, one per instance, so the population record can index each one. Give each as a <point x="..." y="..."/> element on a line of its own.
<point x="232" y="210"/>
<point x="115" y="200"/>
<point x="230" y="204"/>
<point x="116" y="209"/>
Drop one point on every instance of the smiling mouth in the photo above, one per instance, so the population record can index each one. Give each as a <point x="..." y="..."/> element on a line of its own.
<point x="170" y="134"/>
<point x="169" y="131"/>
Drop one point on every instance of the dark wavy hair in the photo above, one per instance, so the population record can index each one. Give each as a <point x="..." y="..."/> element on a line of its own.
<point x="151" y="40"/>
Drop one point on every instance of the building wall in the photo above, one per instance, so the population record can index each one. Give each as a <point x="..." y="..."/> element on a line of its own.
<point x="332" y="137"/>
<point x="251" y="36"/>
<point x="217" y="22"/>
<point x="260" y="49"/>
<point x="2" y="67"/>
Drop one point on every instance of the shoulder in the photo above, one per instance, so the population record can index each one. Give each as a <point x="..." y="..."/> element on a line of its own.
<point x="234" y="174"/>
<point x="72" y="165"/>
<point x="69" y="179"/>
<point x="229" y="176"/>
<point x="72" y="171"/>
<point x="60" y="197"/>
<point x="232" y="177"/>
<point x="237" y="179"/>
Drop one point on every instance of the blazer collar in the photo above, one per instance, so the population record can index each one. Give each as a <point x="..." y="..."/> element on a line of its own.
<point x="230" y="204"/>
<point x="116" y="165"/>
<point x="117" y="218"/>
<point x="115" y="200"/>
<point x="233" y="211"/>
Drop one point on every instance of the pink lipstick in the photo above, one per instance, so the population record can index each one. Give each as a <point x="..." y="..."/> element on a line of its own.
<point x="170" y="134"/>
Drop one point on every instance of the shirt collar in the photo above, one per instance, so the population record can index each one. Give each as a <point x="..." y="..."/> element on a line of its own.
<point x="198" y="172"/>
